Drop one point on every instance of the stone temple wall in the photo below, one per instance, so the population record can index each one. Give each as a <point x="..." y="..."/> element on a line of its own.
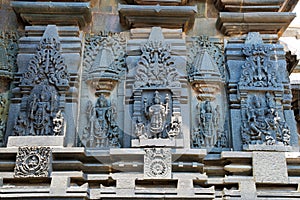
<point x="146" y="99"/>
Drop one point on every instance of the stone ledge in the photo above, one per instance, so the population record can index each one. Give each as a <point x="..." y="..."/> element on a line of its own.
<point x="18" y="141"/>
<point x="58" y="13"/>
<point x="263" y="22"/>
<point x="140" y="16"/>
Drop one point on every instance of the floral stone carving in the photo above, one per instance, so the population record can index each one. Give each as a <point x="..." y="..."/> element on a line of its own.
<point x="258" y="69"/>
<point x="104" y="61"/>
<point x="46" y="81"/>
<point x="157" y="163"/>
<point x="102" y="130"/>
<point x="156" y="67"/>
<point x="262" y="124"/>
<point x="33" y="162"/>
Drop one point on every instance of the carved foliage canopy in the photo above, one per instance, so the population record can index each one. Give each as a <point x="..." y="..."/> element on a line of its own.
<point x="33" y="162"/>
<point x="47" y="66"/>
<point x="156" y="68"/>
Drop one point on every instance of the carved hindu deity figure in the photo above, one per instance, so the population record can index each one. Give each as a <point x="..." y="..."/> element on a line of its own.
<point x="206" y="132"/>
<point x="102" y="130"/>
<point x="157" y="114"/>
<point x="262" y="124"/>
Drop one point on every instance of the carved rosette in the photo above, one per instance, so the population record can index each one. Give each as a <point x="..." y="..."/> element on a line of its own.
<point x="44" y="85"/>
<point x="205" y="67"/>
<point x="156" y="68"/>
<point x="104" y="61"/>
<point x="157" y="163"/>
<point x="8" y="54"/>
<point x="33" y="162"/>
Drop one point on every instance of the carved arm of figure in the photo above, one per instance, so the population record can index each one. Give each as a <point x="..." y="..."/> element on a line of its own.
<point x="146" y="106"/>
<point x="167" y="104"/>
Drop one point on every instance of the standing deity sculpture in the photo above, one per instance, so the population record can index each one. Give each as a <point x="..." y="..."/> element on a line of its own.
<point x="208" y="122"/>
<point x="157" y="113"/>
<point x="102" y="130"/>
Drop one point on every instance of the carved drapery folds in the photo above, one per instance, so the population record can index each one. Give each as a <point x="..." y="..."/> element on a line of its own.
<point x="33" y="162"/>
<point x="102" y="130"/>
<point x="156" y="90"/>
<point x="44" y="84"/>
<point x="104" y="61"/>
<point x="157" y="163"/>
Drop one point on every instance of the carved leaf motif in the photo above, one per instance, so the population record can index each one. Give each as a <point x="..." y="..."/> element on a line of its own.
<point x="156" y="67"/>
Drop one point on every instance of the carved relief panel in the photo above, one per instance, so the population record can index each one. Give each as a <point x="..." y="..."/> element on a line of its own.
<point x="44" y="85"/>
<point x="206" y="75"/>
<point x="33" y="162"/>
<point x="156" y="88"/>
<point x="104" y="68"/>
<point x="259" y="93"/>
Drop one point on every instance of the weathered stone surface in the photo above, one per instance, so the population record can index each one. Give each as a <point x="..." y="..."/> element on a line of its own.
<point x="266" y="171"/>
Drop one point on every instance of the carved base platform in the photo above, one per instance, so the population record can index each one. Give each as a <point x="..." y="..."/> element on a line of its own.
<point x="263" y="147"/>
<point x="157" y="142"/>
<point x="17" y="141"/>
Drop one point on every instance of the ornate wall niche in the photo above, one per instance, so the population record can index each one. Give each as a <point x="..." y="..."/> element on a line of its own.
<point x="104" y="61"/>
<point x="157" y="163"/>
<point x="260" y="97"/>
<point x="156" y="112"/>
<point x="43" y="87"/>
<point x="33" y="162"/>
<point x="206" y="74"/>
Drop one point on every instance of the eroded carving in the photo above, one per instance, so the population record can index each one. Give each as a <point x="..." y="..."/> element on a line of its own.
<point x="261" y="123"/>
<point x="102" y="130"/>
<point x="3" y="116"/>
<point x="157" y="163"/>
<point x="46" y="80"/>
<point x="33" y="162"/>
<point x="104" y="60"/>
<point x="8" y="53"/>
<point x="156" y="68"/>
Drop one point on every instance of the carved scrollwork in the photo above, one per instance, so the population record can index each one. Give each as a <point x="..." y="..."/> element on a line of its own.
<point x="157" y="163"/>
<point x="261" y="123"/>
<point x="156" y="68"/>
<point x="33" y="162"/>
<point x="102" y="130"/>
